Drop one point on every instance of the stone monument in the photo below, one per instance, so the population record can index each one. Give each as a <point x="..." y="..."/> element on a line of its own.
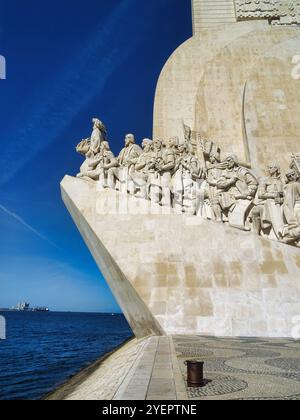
<point x="198" y="230"/>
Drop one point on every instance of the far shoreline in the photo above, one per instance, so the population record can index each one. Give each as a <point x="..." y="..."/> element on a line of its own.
<point x="62" y="312"/>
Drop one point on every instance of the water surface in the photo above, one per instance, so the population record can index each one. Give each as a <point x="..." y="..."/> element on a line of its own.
<point x="43" y="349"/>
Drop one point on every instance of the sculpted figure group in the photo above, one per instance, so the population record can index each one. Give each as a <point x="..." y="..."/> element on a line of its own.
<point x="195" y="180"/>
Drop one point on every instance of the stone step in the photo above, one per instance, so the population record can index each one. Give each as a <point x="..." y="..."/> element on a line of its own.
<point x="155" y="374"/>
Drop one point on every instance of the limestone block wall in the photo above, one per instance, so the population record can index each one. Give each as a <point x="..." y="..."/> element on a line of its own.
<point x="211" y="13"/>
<point x="271" y="105"/>
<point x="208" y="82"/>
<point x="179" y="81"/>
<point x="185" y="275"/>
<point x="239" y="124"/>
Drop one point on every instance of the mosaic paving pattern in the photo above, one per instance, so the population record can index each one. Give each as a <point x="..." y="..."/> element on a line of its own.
<point x="243" y="369"/>
<point x="219" y="385"/>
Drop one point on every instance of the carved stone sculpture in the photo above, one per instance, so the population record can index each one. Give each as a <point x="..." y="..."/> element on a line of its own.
<point x="172" y="174"/>
<point x="107" y="162"/>
<point x="177" y="179"/>
<point x="90" y="148"/>
<point x="161" y="166"/>
<point x="279" y="12"/>
<point x="120" y="178"/>
<point x="193" y="176"/>
<point x="236" y="190"/>
<point x="291" y="208"/>
<point x="214" y="173"/>
<point x="96" y="168"/>
<point x="140" y="174"/>
<point x="98" y="136"/>
<point x="165" y="169"/>
<point x="266" y="214"/>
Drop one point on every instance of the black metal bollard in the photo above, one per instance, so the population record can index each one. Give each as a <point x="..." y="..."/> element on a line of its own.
<point x="195" y="376"/>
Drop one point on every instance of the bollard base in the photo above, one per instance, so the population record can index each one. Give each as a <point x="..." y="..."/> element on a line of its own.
<point x="199" y="385"/>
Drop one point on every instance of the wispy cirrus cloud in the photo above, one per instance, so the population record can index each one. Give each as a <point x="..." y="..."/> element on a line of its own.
<point x="62" y="99"/>
<point x="22" y="222"/>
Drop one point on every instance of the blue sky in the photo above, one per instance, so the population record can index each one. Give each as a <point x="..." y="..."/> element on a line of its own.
<point x="69" y="61"/>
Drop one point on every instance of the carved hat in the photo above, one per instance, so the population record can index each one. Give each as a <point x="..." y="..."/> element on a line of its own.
<point x="99" y="124"/>
<point x="234" y="158"/>
<point x="147" y="142"/>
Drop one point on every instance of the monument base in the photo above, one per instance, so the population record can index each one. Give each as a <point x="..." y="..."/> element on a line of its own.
<point x="177" y="274"/>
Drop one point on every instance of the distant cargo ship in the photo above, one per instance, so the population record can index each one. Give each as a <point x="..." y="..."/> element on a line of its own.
<point x="25" y="307"/>
<point x="41" y="309"/>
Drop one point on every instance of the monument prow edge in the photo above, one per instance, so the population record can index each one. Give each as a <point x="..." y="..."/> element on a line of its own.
<point x="139" y="317"/>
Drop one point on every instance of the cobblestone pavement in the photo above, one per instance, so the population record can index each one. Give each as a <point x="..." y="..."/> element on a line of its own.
<point x="242" y="369"/>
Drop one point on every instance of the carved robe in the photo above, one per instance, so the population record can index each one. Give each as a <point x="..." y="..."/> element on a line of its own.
<point x="96" y="139"/>
<point x="291" y="205"/>
<point x="268" y="204"/>
<point x="291" y="211"/>
<point x="129" y="155"/>
<point x="234" y="183"/>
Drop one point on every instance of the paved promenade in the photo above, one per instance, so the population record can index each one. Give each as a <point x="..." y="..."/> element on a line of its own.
<point x="153" y="369"/>
<point x="245" y="369"/>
